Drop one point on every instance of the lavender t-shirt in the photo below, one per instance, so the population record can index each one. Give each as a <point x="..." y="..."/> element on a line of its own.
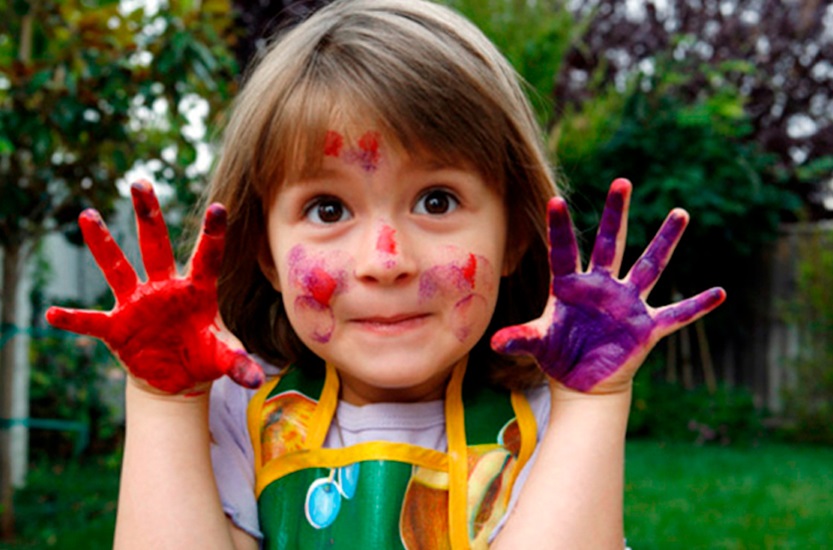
<point x="420" y="424"/>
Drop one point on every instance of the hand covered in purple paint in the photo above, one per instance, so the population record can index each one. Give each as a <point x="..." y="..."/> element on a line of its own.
<point x="164" y="330"/>
<point x="597" y="329"/>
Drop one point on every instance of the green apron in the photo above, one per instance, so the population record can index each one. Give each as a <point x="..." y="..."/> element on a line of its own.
<point x="384" y="495"/>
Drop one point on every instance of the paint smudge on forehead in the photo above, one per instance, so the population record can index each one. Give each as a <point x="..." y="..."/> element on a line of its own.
<point x="367" y="153"/>
<point x="333" y="142"/>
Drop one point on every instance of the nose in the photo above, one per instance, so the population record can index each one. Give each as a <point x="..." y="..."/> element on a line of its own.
<point x="385" y="255"/>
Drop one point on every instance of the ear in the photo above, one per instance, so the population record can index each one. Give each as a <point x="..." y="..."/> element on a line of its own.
<point x="267" y="265"/>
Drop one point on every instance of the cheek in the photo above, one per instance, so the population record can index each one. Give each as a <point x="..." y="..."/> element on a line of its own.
<point x="313" y="281"/>
<point x="469" y="282"/>
<point x="469" y="316"/>
<point x="456" y="275"/>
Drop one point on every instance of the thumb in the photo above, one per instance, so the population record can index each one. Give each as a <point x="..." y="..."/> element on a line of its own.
<point x="244" y="370"/>
<point x="517" y="340"/>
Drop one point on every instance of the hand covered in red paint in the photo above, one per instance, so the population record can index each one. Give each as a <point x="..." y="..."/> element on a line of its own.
<point x="597" y="328"/>
<point x="163" y="330"/>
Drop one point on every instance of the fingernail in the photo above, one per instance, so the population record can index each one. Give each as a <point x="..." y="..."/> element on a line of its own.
<point x="215" y="219"/>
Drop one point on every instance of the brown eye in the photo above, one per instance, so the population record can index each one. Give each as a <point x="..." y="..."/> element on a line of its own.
<point x="436" y="202"/>
<point x="327" y="210"/>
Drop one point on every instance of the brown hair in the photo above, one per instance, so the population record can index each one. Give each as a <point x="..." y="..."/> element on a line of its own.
<point x="432" y="82"/>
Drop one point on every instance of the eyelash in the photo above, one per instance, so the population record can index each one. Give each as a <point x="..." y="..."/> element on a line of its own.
<point x="312" y="209"/>
<point x="312" y="212"/>
<point x="445" y="194"/>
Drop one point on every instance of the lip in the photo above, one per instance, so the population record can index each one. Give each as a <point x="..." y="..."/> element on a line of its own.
<point x="393" y="324"/>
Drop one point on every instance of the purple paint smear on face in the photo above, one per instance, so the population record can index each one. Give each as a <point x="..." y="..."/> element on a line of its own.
<point x="318" y="282"/>
<point x="318" y="320"/>
<point x="599" y="322"/>
<point x="457" y="280"/>
<point x="367" y="153"/>
<point x="463" y="313"/>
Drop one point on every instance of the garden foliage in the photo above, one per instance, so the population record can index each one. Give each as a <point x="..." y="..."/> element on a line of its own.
<point x="809" y="396"/>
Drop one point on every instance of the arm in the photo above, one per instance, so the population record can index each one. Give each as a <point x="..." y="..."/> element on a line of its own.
<point x="163" y="332"/>
<point x="574" y="493"/>
<point x="593" y="336"/>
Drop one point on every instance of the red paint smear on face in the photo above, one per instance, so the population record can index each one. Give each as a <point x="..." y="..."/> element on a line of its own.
<point x="369" y="145"/>
<point x="321" y="285"/>
<point x="333" y="142"/>
<point x="386" y="242"/>
<point x="470" y="269"/>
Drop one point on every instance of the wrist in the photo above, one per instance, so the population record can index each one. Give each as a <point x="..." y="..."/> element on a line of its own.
<point x="143" y="386"/>
<point x="139" y="396"/>
<point x="606" y="412"/>
<point x="620" y="393"/>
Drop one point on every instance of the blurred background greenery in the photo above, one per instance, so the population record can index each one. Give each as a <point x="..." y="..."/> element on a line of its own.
<point x="721" y="107"/>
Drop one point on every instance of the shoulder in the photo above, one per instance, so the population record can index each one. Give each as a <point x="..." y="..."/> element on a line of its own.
<point x="228" y="400"/>
<point x="539" y="401"/>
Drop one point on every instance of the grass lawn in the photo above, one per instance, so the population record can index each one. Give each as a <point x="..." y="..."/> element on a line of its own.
<point x="677" y="496"/>
<point x="773" y="496"/>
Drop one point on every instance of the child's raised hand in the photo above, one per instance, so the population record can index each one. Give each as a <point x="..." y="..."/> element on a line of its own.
<point x="597" y="329"/>
<point x="163" y="330"/>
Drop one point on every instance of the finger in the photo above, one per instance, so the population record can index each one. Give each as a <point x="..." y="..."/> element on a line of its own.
<point x="646" y="271"/>
<point x="243" y="369"/>
<point x="610" y="240"/>
<point x="676" y="316"/>
<point x="80" y="321"/>
<point x="154" y="240"/>
<point x="517" y="340"/>
<point x="208" y="255"/>
<point x="110" y="259"/>
<point x="563" y="247"/>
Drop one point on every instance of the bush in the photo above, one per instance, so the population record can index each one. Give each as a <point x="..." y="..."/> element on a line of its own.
<point x="667" y="411"/>
<point x="74" y="378"/>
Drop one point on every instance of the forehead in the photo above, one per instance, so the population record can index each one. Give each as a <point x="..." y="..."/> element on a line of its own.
<point x="363" y="135"/>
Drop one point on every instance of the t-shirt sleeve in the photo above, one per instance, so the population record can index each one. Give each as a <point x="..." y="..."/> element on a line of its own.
<point x="232" y="456"/>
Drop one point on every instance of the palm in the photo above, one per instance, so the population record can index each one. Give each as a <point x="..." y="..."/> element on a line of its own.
<point x="597" y="329"/>
<point x="163" y="330"/>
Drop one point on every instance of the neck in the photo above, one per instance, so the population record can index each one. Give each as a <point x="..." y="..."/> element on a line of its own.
<point x="357" y="392"/>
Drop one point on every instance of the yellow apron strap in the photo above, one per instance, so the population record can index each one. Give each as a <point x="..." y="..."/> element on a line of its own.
<point x="529" y="434"/>
<point x="254" y="419"/>
<point x="458" y="468"/>
<point x="321" y="419"/>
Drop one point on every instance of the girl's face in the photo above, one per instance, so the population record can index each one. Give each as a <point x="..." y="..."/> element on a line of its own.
<point x="388" y="265"/>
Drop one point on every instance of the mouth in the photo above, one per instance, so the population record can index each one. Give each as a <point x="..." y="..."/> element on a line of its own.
<point x="391" y="324"/>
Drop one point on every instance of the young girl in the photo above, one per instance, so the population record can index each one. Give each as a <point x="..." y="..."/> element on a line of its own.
<point x="380" y="245"/>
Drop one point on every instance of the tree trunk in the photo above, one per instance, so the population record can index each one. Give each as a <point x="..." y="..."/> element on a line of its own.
<point x="14" y="387"/>
<point x="14" y="371"/>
